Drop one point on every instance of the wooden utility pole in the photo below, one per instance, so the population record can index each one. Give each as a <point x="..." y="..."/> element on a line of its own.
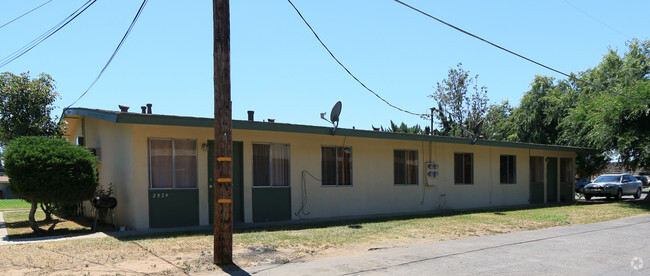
<point x="222" y="135"/>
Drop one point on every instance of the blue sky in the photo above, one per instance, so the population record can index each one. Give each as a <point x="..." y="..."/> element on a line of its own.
<point x="279" y="69"/>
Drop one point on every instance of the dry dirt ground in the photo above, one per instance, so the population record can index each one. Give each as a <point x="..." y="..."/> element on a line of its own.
<point x="53" y="259"/>
<point x="191" y="252"/>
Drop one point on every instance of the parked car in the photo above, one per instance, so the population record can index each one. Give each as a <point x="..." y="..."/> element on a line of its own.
<point x="613" y="185"/>
<point x="643" y="179"/>
<point x="581" y="183"/>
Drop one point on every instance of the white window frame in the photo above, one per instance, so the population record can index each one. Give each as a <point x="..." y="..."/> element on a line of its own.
<point x="270" y="168"/>
<point x="514" y="176"/>
<point x="173" y="187"/>
<point x="417" y="168"/>
<point x="336" y="174"/>
<point x="463" y="167"/>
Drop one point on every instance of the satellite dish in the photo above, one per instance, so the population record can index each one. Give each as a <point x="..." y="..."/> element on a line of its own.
<point x="336" y="111"/>
<point x="475" y="134"/>
<point x="334" y="116"/>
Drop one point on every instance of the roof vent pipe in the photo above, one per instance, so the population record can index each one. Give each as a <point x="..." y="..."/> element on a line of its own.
<point x="144" y="109"/>
<point x="251" y="115"/>
<point x="271" y="120"/>
<point x="149" y="108"/>
<point x="123" y="108"/>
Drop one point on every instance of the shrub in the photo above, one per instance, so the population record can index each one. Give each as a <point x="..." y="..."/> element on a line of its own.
<point x="50" y="171"/>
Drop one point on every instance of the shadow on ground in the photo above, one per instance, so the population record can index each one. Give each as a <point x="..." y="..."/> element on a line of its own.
<point x="357" y="223"/>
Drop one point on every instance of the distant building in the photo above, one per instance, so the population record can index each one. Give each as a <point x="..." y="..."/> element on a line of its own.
<point x="5" y="193"/>
<point x="616" y="167"/>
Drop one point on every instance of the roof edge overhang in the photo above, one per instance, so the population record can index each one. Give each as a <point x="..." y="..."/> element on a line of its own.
<point x="171" y="120"/>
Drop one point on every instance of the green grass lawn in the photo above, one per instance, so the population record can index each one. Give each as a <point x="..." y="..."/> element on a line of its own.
<point x="12" y="204"/>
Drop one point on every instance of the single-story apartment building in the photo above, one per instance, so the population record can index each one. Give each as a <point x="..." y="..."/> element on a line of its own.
<point x="161" y="170"/>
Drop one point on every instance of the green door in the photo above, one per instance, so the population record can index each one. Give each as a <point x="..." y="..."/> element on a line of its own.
<point x="551" y="180"/>
<point x="237" y="181"/>
<point x="536" y="180"/>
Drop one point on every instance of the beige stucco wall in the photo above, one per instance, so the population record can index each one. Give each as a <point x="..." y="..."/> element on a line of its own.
<point x="116" y="166"/>
<point x="124" y="153"/>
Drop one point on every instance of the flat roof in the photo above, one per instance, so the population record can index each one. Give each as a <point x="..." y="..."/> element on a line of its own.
<point x="171" y="120"/>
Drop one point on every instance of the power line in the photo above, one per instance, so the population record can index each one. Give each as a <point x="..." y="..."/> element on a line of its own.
<point x="128" y="31"/>
<point x="348" y="71"/>
<point x="594" y="18"/>
<point x="18" y="53"/>
<point x="518" y="55"/>
<point x="24" y="14"/>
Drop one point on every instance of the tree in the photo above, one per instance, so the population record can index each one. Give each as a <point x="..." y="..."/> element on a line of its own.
<point x="25" y="106"/>
<point x="612" y="113"/>
<point x="403" y="128"/>
<point x="2" y="168"/>
<point x="498" y="124"/>
<point x="49" y="170"/>
<point x="462" y="104"/>
<point x="537" y="118"/>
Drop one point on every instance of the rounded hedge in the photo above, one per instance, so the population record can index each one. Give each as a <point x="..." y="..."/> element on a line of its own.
<point x="43" y="169"/>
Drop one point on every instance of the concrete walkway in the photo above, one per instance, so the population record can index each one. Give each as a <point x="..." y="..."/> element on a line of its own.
<point x="4" y="239"/>
<point x="3" y="230"/>
<point x="616" y="247"/>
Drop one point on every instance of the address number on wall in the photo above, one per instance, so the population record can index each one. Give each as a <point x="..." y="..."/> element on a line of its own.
<point x="159" y="195"/>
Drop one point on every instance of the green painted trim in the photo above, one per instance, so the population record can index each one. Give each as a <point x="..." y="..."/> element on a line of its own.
<point x="566" y="191"/>
<point x="271" y="204"/>
<point x="536" y="192"/>
<point x="93" y="113"/>
<point x="168" y="120"/>
<point x="173" y="208"/>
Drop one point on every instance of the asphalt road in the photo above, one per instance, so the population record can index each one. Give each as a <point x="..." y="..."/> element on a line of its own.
<point x="608" y="248"/>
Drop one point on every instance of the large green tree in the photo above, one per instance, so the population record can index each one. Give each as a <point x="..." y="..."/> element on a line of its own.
<point x="462" y="104"/>
<point x="49" y="170"/>
<point x="612" y="111"/>
<point x="25" y="107"/>
<point x="539" y="114"/>
<point x="498" y="124"/>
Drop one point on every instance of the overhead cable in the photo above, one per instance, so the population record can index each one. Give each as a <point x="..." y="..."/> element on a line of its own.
<point x="18" y="53"/>
<point x="128" y="31"/>
<point x="520" y="56"/>
<point x="5" y="24"/>
<point x="348" y="71"/>
<point x="594" y="18"/>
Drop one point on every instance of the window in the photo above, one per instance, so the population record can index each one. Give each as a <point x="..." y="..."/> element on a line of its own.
<point x="270" y="165"/>
<point x="508" y="169"/>
<point x="172" y="163"/>
<point x="336" y="166"/>
<point x="406" y="166"/>
<point x="463" y="168"/>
